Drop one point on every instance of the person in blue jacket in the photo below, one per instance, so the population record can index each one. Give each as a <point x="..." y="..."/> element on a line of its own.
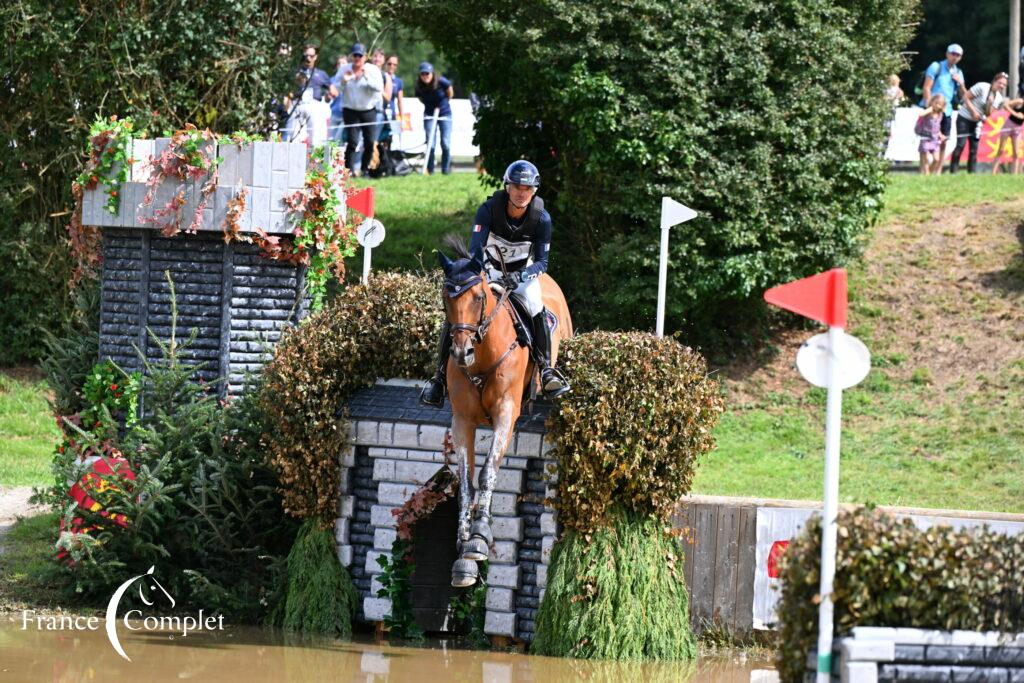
<point x="513" y="222"/>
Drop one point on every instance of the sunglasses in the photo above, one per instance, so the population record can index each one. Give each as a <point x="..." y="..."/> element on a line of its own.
<point x="391" y="64"/>
<point x="425" y="73"/>
<point x="309" y="56"/>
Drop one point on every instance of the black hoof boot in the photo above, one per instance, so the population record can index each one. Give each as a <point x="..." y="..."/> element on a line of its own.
<point x="433" y="393"/>
<point x="478" y="547"/>
<point x="464" y="573"/>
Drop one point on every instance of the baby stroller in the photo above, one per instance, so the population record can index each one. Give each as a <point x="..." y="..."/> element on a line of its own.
<point x="385" y="161"/>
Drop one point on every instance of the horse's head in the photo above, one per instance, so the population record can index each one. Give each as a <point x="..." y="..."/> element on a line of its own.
<point x="465" y="295"/>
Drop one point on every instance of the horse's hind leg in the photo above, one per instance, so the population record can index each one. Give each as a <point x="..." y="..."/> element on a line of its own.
<point x="479" y="544"/>
<point x="464" y="572"/>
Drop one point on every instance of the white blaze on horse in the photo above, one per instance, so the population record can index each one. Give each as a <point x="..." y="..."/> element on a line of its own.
<point x="489" y="375"/>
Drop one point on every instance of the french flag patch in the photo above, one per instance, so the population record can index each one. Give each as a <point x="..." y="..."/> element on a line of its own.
<point x="477" y="228"/>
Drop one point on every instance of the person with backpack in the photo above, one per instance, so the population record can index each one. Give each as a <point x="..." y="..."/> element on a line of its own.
<point x="945" y="78"/>
<point x="984" y="99"/>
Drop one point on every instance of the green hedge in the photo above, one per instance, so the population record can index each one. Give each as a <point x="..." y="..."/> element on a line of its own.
<point x="629" y="434"/>
<point x="766" y="116"/>
<point x="387" y="328"/>
<point x="618" y="593"/>
<point x="890" y="573"/>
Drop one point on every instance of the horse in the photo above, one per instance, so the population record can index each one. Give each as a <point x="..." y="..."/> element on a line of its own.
<point x="489" y="373"/>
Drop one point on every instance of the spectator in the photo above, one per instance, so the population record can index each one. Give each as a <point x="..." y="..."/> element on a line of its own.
<point x="397" y="94"/>
<point x="981" y="100"/>
<point x="929" y="127"/>
<point x="894" y="94"/>
<point x="362" y="91"/>
<point x="316" y="79"/>
<point x="946" y="79"/>
<point x="386" y="94"/>
<point x="1010" y="137"/>
<point x="309" y="117"/>
<point x="435" y="92"/>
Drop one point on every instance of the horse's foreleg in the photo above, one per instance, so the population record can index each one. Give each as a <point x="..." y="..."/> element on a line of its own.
<point x="464" y="572"/>
<point x="478" y="546"/>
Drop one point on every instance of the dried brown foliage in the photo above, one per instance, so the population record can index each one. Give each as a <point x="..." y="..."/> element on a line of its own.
<point x="385" y="329"/>
<point x="639" y="415"/>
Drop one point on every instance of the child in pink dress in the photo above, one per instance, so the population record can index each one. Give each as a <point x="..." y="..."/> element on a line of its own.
<point x="928" y="127"/>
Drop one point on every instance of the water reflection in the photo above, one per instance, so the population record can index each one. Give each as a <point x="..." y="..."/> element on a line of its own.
<point x="250" y="655"/>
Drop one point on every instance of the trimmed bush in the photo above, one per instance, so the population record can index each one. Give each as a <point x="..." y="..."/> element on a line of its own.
<point x="387" y="328"/>
<point x="320" y="596"/>
<point x="766" y="116"/>
<point x="618" y="593"/>
<point x="890" y="573"/>
<point x="640" y="414"/>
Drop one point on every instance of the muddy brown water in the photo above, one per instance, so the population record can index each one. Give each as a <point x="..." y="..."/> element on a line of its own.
<point x="31" y="653"/>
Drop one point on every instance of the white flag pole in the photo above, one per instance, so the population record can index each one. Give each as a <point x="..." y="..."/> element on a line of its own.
<point x="672" y="213"/>
<point x="829" y="528"/>
<point x="366" y="263"/>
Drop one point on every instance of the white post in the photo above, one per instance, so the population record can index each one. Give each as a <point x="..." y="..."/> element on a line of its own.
<point x="833" y="411"/>
<point x="366" y="264"/>
<point x="662" y="281"/>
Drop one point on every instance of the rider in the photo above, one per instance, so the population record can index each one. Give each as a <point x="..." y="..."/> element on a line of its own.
<point x="513" y="222"/>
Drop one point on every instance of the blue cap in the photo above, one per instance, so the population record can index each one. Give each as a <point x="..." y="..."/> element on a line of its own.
<point x="426" y="68"/>
<point x="955" y="49"/>
<point x="357" y="49"/>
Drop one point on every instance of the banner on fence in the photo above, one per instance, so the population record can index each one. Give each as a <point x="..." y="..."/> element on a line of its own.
<point x="996" y="139"/>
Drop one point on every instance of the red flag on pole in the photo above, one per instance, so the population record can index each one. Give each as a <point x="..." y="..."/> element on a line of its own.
<point x="820" y="297"/>
<point x="362" y="202"/>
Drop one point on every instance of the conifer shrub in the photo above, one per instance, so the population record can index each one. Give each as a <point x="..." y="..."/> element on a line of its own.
<point x="320" y="596"/>
<point x="616" y="593"/>
<point x="891" y="573"/>
<point x="629" y="434"/>
<point x="387" y="328"/>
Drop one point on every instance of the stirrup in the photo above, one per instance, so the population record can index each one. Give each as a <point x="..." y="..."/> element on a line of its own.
<point x="433" y="393"/>
<point x="553" y="383"/>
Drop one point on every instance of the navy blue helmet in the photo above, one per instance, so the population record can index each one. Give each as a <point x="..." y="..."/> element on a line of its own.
<point x="522" y="172"/>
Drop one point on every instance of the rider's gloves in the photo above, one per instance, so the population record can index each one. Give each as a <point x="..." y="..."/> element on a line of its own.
<point x="512" y="280"/>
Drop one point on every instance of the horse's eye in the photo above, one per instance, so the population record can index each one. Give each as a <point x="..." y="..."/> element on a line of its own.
<point x="480" y="297"/>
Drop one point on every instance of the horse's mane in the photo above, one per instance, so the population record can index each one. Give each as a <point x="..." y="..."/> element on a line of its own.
<point x="456" y="244"/>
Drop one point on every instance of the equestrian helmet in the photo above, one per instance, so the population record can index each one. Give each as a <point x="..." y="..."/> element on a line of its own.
<point x="521" y="172"/>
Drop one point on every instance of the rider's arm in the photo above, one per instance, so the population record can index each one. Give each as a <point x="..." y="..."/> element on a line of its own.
<point x="541" y="246"/>
<point x="481" y="229"/>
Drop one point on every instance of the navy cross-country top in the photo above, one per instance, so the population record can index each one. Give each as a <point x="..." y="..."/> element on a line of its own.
<point x="523" y="243"/>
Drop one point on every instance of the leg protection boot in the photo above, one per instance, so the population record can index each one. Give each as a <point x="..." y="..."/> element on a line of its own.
<point x="552" y="383"/>
<point x="478" y="547"/>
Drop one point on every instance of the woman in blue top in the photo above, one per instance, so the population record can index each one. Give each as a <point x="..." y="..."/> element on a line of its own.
<point x="435" y="91"/>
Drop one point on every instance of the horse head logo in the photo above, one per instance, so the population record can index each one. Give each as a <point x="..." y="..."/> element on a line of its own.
<point x="148" y="587"/>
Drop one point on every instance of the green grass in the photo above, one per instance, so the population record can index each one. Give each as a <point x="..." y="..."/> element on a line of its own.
<point x="28" y="433"/>
<point x="26" y="564"/>
<point x="910" y="195"/>
<point x="416" y="212"/>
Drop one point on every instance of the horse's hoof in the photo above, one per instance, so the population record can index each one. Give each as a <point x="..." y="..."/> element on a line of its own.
<point x="475" y="549"/>
<point x="481" y="529"/>
<point x="464" y="573"/>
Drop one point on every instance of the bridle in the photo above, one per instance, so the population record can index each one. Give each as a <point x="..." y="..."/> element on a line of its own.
<point x="454" y="290"/>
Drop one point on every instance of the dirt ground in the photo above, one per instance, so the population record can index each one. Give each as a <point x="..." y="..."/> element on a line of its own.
<point x="939" y="302"/>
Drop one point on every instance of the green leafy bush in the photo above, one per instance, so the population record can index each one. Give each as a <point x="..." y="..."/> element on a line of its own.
<point x="629" y="434"/>
<point x="387" y="328"/>
<point x="766" y="117"/>
<point x="618" y="593"/>
<point x="890" y="573"/>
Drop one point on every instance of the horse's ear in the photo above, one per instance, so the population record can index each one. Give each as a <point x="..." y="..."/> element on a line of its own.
<point x="477" y="262"/>
<point x="446" y="263"/>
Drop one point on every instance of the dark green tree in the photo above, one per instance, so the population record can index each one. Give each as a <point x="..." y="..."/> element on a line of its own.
<point x="766" y="117"/>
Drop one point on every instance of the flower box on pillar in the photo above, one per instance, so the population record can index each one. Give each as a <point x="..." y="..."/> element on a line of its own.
<point x="235" y="301"/>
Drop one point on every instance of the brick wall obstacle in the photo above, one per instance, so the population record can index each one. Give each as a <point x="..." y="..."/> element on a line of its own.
<point x="237" y="302"/>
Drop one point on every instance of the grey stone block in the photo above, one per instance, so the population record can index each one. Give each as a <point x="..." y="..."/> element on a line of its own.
<point x="296" y="166"/>
<point x="394" y="494"/>
<point x="548" y="524"/>
<point x="500" y="623"/>
<point x="142" y="156"/>
<point x="262" y="156"/>
<point x="346" y="505"/>
<point x="412" y="471"/>
<point x="258" y="205"/>
<point x="859" y="672"/>
<point x="375" y="609"/>
<point x="366" y="433"/>
<point x="954" y="654"/>
<point x="503" y="504"/>
<point x="372" y="566"/>
<point x="384" y="539"/>
<point x="499" y="599"/>
<point x="528" y="444"/>
<point x="405" y="435"/>
<point x="380" y="516"/>
<point x="432" y="437"/>
<point x="546" y="544"/>
<point x="341" y="530"/>
<point x="348" y="456"/>
<point x="507" y="528"/>
<point x="909" y="653"/>
<point x="542" y="576"/>
<point x="279" y="157"/>
<point x="503" y="575"/>
<point x="855" y="650"/>
<point x="345" y="555"/>
<point x="504" y="552"/>
<point x="980" y="674"/>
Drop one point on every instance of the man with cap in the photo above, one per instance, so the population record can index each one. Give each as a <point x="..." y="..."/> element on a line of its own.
<point x="945" y="78"/>
<point x="362" y="85"/>
<point x="511" y="226"/>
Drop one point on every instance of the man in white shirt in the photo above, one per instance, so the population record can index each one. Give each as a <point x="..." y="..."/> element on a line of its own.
<point x="361" y="92"/>
<point x="982" y="99"/>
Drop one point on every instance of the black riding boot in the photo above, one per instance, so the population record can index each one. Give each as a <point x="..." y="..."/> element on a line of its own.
<point x="552" y="383"/>
<point x="433" y="393"/>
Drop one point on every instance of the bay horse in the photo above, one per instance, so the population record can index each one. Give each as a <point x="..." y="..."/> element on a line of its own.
<point x="489" y="373"/>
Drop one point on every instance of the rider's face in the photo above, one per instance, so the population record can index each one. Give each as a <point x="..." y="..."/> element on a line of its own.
<point x="520" y="195"/>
